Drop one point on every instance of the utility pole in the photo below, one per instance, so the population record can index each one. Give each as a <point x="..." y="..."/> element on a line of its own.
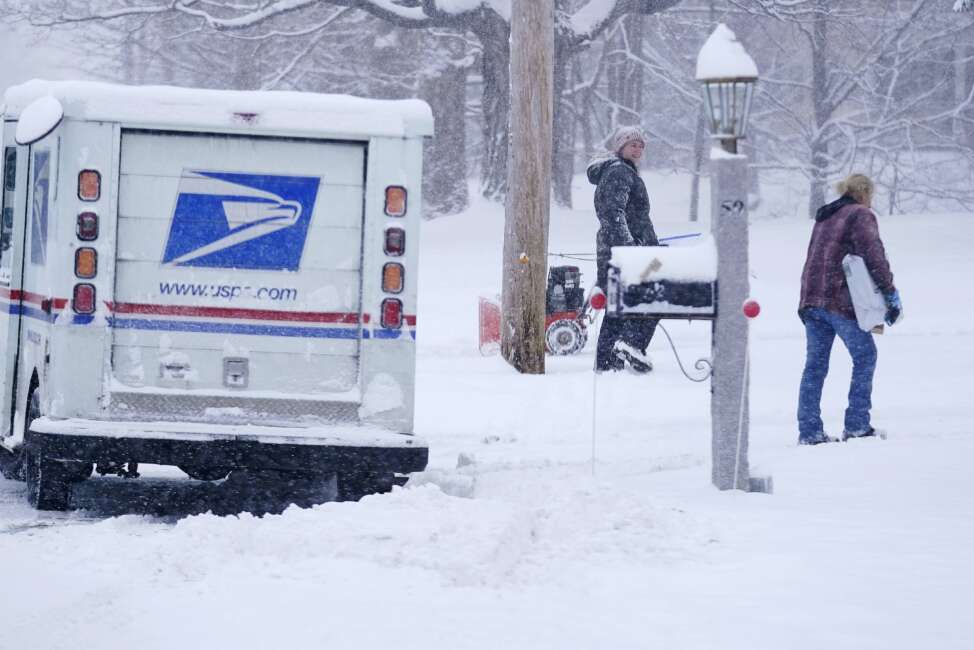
<point x="529" y="185"/>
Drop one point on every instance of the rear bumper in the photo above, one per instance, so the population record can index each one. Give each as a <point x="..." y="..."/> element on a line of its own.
<point x="294" y="449"/>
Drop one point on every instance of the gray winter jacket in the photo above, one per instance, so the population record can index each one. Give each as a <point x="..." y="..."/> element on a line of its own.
<point x="622" y="205"/>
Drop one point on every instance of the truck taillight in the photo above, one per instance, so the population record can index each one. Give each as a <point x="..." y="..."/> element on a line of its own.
<point x="395" y="241"/>
<point x="87" y="229"/>
<point x="391" y="314"/>
<point x="392" y="278"/>
<point x="89" y="185"/>
<point x="83" y="301"/>
<point x="85" y="263"/>
<point x="395" y="201"/>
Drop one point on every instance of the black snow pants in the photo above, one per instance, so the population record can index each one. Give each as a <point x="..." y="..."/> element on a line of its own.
<point x="636" y="332"/>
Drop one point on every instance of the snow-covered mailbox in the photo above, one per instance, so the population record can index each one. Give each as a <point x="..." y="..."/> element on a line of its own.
<point x="663" y="282"/>
<point x="215" y="280"/>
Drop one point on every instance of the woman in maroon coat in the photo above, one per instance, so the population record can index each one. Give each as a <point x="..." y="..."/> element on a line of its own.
<point x="845" y="226"/>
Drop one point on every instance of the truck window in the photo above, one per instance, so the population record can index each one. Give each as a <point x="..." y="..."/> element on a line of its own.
<point x="7" y="222"/>
<point x="41" y="172"/>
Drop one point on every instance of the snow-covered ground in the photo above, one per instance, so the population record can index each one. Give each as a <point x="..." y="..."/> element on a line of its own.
<point x="868" y="544"/>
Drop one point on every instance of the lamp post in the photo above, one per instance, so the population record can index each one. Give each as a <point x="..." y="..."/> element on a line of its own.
<point x="728" y="75"/>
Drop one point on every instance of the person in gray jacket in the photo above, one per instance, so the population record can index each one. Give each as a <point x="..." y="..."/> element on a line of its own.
<point x="622" y="206"/>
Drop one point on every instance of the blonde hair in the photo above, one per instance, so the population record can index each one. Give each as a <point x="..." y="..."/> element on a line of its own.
<point x="859" y="186"/>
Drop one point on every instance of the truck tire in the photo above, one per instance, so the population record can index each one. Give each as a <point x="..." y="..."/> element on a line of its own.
<point x="12" y="463"/>
<point x="48" y="483"/>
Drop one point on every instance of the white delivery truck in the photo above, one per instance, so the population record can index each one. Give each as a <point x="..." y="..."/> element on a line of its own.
<point x="215" y="280"/>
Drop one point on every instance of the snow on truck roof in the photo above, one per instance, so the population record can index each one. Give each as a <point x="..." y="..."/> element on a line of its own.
<point x="285" y="111"/>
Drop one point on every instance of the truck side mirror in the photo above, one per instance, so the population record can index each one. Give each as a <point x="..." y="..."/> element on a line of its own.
<point x="38" y="120"/>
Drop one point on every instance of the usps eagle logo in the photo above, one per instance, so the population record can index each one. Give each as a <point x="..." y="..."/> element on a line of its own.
<point x="243" y="221"/>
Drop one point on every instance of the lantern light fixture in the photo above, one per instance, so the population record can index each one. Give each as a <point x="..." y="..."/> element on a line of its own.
<point x="728" y="75"/>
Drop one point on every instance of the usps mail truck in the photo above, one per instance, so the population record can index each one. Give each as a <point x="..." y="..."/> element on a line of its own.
<point x="221" y="281"/>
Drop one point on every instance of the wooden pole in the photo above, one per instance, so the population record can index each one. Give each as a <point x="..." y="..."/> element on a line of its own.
<point x="529" y="185"/>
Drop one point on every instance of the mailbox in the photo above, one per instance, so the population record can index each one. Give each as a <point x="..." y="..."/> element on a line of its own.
<point x="677" y="282"/>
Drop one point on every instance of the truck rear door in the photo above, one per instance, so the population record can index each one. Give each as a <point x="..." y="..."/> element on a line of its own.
<point x="238" y="274"/>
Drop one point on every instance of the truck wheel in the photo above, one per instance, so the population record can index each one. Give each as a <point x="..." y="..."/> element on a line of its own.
<point x="565" y="337"/>
<point x="48" y="482"/>
<point x="205" y="473"/>
<point x="12" y="463"/>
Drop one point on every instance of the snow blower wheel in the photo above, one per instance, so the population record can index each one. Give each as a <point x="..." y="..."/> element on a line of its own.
<point x="567" y="315"/>
<point x="565" y="337"/>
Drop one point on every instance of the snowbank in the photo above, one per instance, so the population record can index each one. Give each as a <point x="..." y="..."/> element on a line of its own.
<point x="532" y="543"/>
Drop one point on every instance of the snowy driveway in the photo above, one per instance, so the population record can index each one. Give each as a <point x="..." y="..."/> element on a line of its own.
<point x="863" y="545"/>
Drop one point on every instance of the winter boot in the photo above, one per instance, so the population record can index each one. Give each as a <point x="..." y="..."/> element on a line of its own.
<point x="866" y="433"/>
<point x="816" y="439"/>
<point x="636" y="361"/>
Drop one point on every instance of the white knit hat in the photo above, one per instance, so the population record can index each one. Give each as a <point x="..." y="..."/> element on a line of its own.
<point x="622" y="136"/>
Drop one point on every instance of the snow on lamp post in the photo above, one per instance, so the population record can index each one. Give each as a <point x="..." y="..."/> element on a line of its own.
<point x="728" y="75"/>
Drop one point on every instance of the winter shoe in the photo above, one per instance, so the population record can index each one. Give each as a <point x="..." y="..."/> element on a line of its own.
<point x="634" y="360"/>
<point x="816" y="439"/>
<point x="866" y="433"/>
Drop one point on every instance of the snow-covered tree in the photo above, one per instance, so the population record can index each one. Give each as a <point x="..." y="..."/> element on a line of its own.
<point x="866" y="90"/>
<point x="577" y="23"/>
<point x="884" y="90"/>
<point x="820" y="107"/>
<point x="323" y="48"/>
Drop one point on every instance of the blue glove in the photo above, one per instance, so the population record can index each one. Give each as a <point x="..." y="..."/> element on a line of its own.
<point x="894" y="307"/>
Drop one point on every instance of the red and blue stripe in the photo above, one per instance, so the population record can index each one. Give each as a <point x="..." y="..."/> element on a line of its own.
<point x="213" y="320"/>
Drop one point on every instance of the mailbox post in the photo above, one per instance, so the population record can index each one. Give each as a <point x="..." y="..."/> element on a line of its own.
<point x="709" y="281"/>
<point x="728" y="75"/>
<point x="729" y="382"/>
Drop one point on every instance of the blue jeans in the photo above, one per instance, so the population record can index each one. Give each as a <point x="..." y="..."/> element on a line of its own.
<point x="820" y="330"/>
